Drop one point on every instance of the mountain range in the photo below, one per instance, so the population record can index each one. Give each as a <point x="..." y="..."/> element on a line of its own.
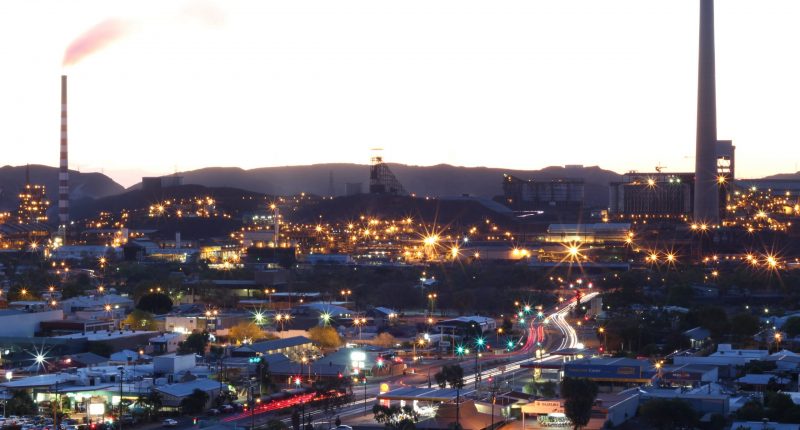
<point x="438" y="180"/>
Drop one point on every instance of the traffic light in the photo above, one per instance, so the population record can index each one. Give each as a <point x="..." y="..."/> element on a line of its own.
<point x="194" y="421"/>
<point x="340" y="375"/>
<point x="364" y="381"/>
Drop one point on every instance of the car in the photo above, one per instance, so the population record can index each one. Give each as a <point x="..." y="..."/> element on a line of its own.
<point x="169" y="422"/>
<point x="227" y="408"/>
<point x="213" y="411"/>
<point x="342" y="427"/>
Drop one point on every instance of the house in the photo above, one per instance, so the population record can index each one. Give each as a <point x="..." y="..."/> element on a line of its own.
<point x="166" y="343"/>
<point x="697" y="336"/>
<point x="172" y="395"/>
<point x="127" y="356"/>
<point x="289" y="346"/>
<point x="382" y="316"/>
<point x="85" y="359"/>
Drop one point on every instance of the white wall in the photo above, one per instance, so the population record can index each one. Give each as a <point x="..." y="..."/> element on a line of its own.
<point x="26" y="324"/>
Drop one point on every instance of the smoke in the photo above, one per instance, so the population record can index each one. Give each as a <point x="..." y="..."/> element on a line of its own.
<point x="113" y="29"/>
<point x="95" y="39"/>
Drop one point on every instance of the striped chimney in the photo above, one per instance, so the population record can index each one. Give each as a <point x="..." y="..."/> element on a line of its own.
<point x="63" y="172"/>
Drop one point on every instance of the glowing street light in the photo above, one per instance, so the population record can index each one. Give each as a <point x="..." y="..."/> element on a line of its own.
<point x="431" y="240"/>
<point x="259" y="317"/>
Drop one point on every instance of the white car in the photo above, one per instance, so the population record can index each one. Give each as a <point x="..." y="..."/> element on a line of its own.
<point x="169" y="422"/>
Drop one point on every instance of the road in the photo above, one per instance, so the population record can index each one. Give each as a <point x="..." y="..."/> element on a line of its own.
<point x="488" y="365"/>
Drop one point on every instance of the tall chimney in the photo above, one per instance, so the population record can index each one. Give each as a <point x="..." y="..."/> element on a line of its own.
<point x="63" y="172"/>
<point x="706" y="189"/>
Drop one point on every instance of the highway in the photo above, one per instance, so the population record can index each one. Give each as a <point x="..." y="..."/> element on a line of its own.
<point x="499" y="366"/>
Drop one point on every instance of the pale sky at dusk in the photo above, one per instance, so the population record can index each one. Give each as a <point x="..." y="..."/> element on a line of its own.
<point x="517" y="84"/>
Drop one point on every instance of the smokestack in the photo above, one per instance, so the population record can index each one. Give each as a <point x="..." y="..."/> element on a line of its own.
<point x="706" y="189"/>
<point x="63" y="172"/>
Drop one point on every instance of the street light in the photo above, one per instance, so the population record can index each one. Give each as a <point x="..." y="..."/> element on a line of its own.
<point x="432" y="301"/>
<point x="479" y="345"/>
<point x="346" y="294"/>
<point x="602" y="330"/>
<point x="121" y="373"/>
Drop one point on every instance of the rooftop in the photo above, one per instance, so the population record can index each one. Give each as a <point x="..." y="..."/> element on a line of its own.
<point x="185" y="388"/>
<point x="272" y="345"/>
<point x="105" y="335"/>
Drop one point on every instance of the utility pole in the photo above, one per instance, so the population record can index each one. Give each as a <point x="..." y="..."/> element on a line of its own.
<point x="365" y="395"/>
<point x="119" y="418"/>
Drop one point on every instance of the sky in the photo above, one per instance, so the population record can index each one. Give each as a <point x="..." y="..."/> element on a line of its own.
<point x="186" y="84"/>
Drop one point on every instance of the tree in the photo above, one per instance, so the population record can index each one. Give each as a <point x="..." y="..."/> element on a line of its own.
<point x="384" y="340"/>
<point x="452" y="375"/>
<point x="667" y="414"/>
<point x="194" y="403"/>
<point x="578" y="395"/>
<point x="791" y="326"/>
<point x="715" y="319"/>
<point x="155" y="303"/>
<point x="140" y="320"/>
<point x="195" y="343"/>
<point x="751" y="411"/>
<point x="395" y="417"/>
<point x="262" y="369"/>
<point x="545" y="389"/>
<point x="20" y="404"/>
<point x="151" y="402"/>
<point x="295" y="419"/>
<point x="246" y="331"/>
<point x="326" y="337"/>
<point x="744" y="325"/>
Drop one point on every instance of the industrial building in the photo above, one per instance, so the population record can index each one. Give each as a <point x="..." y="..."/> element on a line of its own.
<point x="155" y="184"/>
<point x="588" y="233"/>
<point x="560" y="194"/>
<point x="614" y="371"/>
<point x="381" y="178"/>
<point x="33" y="203"/>
<point x="652" y="195"/>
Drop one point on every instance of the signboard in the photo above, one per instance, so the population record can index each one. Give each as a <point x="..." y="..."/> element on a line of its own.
<point x="97" y="408"/>
<point x="444" y="343"/>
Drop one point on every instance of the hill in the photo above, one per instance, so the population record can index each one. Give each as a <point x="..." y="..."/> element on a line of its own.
<point x="439" y="180"/>
<point x="226" y="198"/>
<point x="785" y="176"/>
<point x="82" y="185"/>
<point x="442" y="211"/>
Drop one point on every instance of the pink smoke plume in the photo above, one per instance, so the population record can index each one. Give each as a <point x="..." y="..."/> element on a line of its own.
<point x="97" y="38"/>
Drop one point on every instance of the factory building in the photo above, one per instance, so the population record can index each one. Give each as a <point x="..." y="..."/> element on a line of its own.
<point x="33" y="203"/>
<point x="157" y="183"/>
<point x="652" y="195"/>
<point x="588" y="233"/>
<point x="520" y="194"/>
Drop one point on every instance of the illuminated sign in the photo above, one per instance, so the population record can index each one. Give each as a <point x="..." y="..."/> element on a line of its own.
<point x="97" y="408"/>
